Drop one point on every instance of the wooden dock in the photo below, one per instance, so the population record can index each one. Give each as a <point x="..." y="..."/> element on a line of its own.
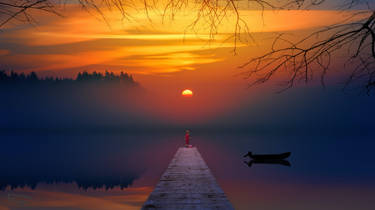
<point x="187" y="184"/>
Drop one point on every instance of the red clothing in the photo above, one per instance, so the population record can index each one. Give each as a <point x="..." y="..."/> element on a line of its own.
<point x="187" y="137"/>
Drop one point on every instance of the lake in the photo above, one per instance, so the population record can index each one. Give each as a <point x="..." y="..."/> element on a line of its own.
<point x="114" y="170"/>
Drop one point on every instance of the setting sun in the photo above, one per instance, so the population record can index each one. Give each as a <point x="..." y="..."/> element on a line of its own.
<point x="187" y="93"/>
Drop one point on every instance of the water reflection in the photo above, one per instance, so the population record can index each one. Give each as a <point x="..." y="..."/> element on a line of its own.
<point x="268" y="156"/>
<point x="267" y="159"/>
<point x="26" y="163"/>
<point x="118" y="171"/>
<point x="94" y="181"/>
<point x="89" y="161"/>
<point x="270" y="161"/>
<point x="66" y="196"/>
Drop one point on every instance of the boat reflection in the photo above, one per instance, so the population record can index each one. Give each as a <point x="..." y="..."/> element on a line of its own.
<point x="268" y="161"/>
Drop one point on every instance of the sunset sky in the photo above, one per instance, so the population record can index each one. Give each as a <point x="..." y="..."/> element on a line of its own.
<point x="142" y="45"/>
<point x="164" y="54"/>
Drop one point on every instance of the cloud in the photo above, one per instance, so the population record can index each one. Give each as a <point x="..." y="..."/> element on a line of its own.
<point x="82" y="39"/>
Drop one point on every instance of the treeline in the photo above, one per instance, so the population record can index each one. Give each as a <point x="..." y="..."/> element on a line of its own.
<point x="82" y="77"/>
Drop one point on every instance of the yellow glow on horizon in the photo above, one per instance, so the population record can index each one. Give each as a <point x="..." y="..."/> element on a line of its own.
<point x="187" y="93"/>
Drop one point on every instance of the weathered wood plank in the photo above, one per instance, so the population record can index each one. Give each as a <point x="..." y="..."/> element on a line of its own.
<point x="187" y="184"/>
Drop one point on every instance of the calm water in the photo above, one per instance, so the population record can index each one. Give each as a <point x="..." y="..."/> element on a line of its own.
<point x="118" y="171"/>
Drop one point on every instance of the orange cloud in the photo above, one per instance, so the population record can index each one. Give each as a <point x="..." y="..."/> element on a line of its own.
<point x="146" y="47"/>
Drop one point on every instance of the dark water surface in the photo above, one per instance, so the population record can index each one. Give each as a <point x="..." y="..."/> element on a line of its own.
<point x="118" y="171"/>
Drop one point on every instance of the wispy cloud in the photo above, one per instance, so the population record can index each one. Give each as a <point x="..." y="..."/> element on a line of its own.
<point x="146" y="47"/>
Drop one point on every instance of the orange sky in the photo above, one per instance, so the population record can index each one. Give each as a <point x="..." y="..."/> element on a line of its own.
<point x="139" y="45"/>
<point x="164" y="56"/>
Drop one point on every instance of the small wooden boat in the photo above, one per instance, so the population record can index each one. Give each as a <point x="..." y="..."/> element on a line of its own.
<point x="268" y="156"/>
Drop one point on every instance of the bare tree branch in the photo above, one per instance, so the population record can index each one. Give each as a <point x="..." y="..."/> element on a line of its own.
<point x="301" y="59"/>
<point x="20" y="10"/>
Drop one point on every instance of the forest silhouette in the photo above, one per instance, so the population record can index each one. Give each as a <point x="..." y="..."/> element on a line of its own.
<point x="82" y="77"/>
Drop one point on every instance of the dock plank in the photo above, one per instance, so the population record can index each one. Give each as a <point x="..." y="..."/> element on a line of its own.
<point x="187" y="184"/>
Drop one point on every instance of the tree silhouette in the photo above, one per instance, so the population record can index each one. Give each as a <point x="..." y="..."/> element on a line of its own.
<point x="82" y="77"/>
<point x="313" y="54"/>
<point x="21" y="10"/>
<point x="301" y="59"/>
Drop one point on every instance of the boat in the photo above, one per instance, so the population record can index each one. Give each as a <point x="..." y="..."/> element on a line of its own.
<point x="268" y="156"/>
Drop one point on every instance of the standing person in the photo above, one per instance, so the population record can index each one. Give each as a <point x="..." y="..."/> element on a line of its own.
<point x="187" y="138"/>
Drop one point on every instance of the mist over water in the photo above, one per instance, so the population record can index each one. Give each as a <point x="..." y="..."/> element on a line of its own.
<point x="323" y="168"/>
<point x="100" y="146"/>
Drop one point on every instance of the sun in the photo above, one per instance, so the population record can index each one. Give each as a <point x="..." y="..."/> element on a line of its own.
<point x="187" y="93"/>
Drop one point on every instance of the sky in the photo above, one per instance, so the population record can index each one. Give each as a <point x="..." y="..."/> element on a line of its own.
<point x="83" y="41"/>
<point x="165" y="55"/>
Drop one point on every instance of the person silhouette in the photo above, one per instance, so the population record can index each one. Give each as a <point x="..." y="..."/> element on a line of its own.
<point x="187" y="138"/>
